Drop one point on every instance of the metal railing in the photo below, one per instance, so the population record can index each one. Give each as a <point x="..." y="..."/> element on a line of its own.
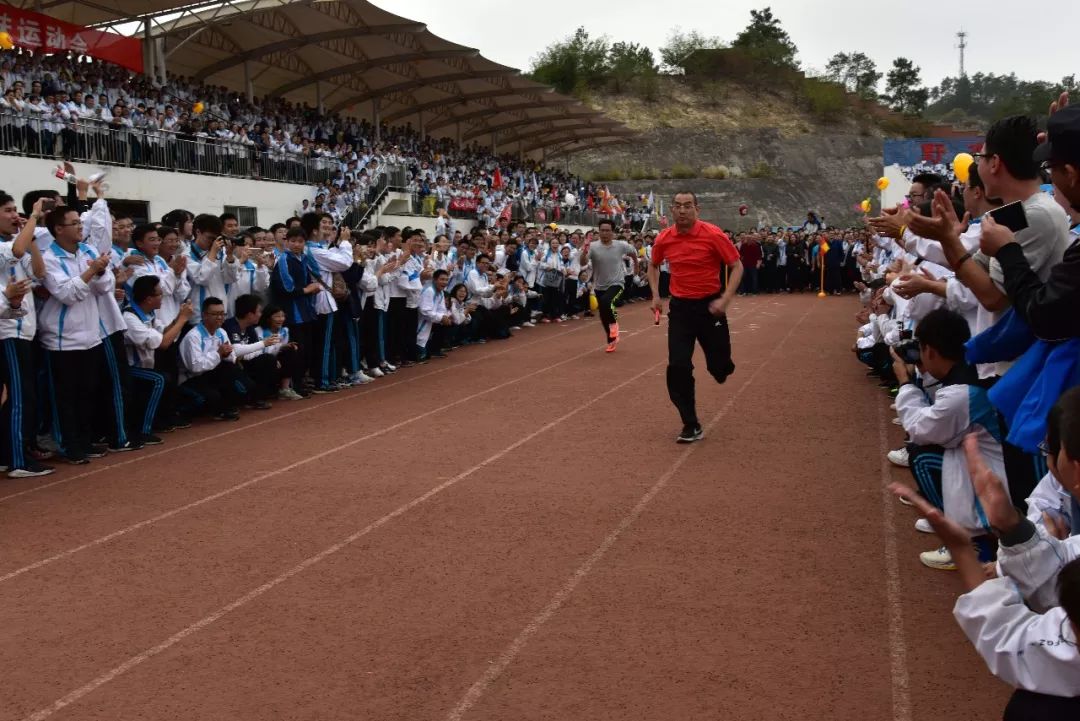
<point x="105" y="144"/>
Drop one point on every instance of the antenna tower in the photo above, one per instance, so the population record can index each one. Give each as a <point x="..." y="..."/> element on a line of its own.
<point x="962" y="36"/>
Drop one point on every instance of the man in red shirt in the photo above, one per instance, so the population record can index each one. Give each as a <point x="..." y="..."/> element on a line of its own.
<point x="696" y="253"/>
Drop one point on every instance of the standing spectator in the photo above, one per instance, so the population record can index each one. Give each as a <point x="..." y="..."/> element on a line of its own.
<point x="70" y="327"/>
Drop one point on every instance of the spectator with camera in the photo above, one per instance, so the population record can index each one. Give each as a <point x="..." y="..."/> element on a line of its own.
<point x="936" y="426"/>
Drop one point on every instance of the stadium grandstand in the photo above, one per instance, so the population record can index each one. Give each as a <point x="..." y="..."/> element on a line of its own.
<point x="365" y="109"/>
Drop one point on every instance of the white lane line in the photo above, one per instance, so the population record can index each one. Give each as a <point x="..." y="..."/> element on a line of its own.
<point x="285" y="469"/>
<point x="250" y="596"/>
<point x="494" y="670"/>
<point x="901" y="689"/>
<point x="308" y="407"/>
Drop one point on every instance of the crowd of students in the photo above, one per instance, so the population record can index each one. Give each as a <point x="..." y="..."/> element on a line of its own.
<point x="115" y="333"/>
<point x="970" y="324"/>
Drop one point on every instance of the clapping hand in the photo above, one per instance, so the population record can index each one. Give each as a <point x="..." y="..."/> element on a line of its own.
<point x="225" y="350"/>
<point x="14" y="292"/>
<point x="990" y="489"/>
<point x="944" y="226"/>
<point x="910" y="285"/>
<point x="271" y="341"/>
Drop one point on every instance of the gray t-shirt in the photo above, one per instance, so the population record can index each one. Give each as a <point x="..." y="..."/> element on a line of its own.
<point x="607" y="263"/>
<point x="1044" y="240"/>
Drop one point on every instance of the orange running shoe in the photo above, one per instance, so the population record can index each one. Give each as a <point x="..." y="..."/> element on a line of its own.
<point x="611" y="346"/>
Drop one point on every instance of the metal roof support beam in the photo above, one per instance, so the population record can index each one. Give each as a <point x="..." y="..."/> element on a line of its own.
<point x="575" y="144"/>
<point x="464" y="98"/>
<point x="312" y="39"/>
<point x="419" y="83"/>
<point x="365" y="65"/>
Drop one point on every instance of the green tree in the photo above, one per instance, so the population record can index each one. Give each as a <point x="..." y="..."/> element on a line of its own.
<point x="627" y="61"/>
<point x="904" y="91"/>
<point x="765" y="40"/>
<point x="856" y="72"/>
<point x="680" y="44"/>
<point x="574" y="65"/>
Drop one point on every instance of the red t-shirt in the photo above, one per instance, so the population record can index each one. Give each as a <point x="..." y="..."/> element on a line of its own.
<point x="695" y="258"/>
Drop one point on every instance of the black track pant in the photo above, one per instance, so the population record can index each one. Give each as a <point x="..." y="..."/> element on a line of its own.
<point x="606" y="300"/>
<point x="690" y="322"/>
<point x="18" y="418"/>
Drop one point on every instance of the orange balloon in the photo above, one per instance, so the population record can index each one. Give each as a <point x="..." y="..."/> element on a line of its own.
<point x="6" y="42"/>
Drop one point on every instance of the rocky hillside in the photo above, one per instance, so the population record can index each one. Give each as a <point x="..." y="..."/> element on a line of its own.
<point x="732" y="145"/>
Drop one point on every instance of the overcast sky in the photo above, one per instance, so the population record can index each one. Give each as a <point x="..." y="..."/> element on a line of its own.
<point x="513" y="33"/>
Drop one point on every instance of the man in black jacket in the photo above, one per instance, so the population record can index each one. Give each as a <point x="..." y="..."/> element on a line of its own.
<point x="1048" y="308"/>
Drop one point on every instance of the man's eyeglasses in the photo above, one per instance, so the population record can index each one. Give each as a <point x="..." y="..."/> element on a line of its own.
<point x="1045" y="449"/>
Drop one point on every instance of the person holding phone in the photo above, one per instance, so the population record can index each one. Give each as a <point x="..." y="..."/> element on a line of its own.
<point x="696" y="252"/>
<point x="1049" y="307"/>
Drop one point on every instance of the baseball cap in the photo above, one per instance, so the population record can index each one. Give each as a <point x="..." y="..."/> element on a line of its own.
<point x="1063" y="137"/>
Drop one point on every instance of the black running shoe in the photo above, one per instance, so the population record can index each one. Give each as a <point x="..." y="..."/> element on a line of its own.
<point x="690" y="434"/>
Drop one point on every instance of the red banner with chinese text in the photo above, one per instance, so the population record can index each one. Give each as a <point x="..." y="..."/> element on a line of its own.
<point x="44" y="34"/>
<point x="464" y="204"/>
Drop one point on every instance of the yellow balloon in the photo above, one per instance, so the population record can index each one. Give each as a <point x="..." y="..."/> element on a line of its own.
<point x="6" y="42"/>
<point x="594" y="304"/>
<point x="882" y="183"/>
<point x="198" y="107"/>
<point x="865" y="205"/>
<point x="961" y="166"/>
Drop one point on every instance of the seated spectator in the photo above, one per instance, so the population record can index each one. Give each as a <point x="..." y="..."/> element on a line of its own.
<point x="249" y="346"/>
<point x="146" y="335"/>
<point x="937" y="427"/>
<point x="288" y="354"/>
<point x="209" y="375"/>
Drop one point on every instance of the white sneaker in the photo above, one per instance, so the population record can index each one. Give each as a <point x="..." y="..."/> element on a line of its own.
<point x="899" y="457"/>
<point x="389" y="367"/>
<point x="896" y="422"/>
<point x="375" y="373"/>
<point x="923" y="526"/>
<point x="288" y="394"/>
<point x="359" y="379"/>
<point x="940" y="559"/>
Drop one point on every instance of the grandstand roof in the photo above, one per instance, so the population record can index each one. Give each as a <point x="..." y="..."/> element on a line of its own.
<point x="354" y="57"/>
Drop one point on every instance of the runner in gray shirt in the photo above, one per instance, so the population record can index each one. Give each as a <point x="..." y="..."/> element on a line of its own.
<point x="608" y="274"/>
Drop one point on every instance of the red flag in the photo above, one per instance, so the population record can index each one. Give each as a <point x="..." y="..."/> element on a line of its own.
<point x="496" y="180"/>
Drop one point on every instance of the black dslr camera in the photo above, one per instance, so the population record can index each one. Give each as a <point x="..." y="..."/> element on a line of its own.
<point x="908" y="348"/>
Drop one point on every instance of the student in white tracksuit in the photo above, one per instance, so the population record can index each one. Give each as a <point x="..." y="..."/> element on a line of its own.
<point x="98" y="233"/>
<point x="211" y="267"/>
<point x="434" y="317"/>
<point x="323" y="262"/>
<point x="936" y="429"/>
<point x="69" y="329"/>
<point x="21" y="264"/>
<point x="253" y="278"/>
<point x="145" y="259"/>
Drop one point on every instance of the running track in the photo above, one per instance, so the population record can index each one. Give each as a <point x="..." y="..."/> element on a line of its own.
<point x="508" y="534"/>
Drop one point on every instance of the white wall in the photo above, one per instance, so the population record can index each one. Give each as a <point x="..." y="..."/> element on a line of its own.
<point x="898" y="187"/>
<point x="163" y="190"/>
